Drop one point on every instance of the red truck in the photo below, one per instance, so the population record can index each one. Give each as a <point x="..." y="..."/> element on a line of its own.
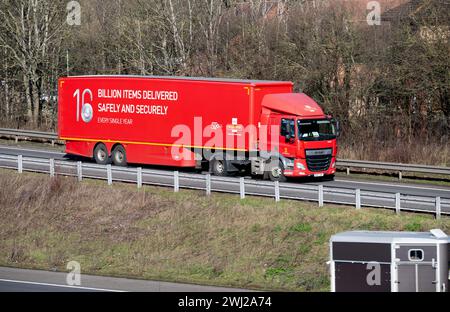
<point x="226" y="124"/>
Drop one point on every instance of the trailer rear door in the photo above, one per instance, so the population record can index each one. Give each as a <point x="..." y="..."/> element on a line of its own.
<point x="416" y="268"/>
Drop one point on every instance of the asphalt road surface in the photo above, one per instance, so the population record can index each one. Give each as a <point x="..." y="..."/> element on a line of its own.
<point x="20" y="280"/>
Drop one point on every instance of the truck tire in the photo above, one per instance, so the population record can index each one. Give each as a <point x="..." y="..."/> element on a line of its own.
<point x="218" y="167"/>
<point x="276" y="172"/>
<point x="119" y="156"/>
<point x="101" y="156"/>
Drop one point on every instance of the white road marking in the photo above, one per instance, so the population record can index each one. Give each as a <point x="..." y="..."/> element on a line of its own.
<point x="59" y="285"/>
<point x="395" y="185"/>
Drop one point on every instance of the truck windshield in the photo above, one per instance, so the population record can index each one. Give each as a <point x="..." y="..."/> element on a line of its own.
<point x="316" y="130"/>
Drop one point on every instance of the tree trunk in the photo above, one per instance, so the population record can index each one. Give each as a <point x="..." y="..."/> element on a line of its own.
<point x="36" y="102"/>
<point x="7" y="115"/>
<point x="27" y="88"/>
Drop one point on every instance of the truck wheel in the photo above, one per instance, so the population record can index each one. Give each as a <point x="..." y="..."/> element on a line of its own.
<point x="119" y="156"/>
<point x="101" y="154"/>
<point x="276" y="173"/>
<point x="219" y="167"/>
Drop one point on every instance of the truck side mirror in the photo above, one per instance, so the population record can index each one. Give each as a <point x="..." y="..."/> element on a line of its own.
<point x="337" y="126"/>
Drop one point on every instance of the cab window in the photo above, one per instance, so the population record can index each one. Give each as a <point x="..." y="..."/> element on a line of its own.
<point x="287" y="127"/>
<point x="316" y="129"/>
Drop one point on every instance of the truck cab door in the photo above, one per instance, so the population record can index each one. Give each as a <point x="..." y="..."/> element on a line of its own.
<point x="287" y="136"/>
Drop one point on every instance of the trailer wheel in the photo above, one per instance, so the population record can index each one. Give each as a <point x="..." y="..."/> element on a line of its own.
<point x="119" y="156"/>
<point x="101" y="154"/>
<point x="219" y="167"/>
<point x="276" y="172"/>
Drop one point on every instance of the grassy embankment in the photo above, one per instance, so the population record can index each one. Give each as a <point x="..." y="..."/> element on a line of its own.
<point x="187" y="237"/>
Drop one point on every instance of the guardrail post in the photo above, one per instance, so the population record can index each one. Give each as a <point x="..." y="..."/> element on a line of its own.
<point x="109" y="174"/>
<point x="208" y="184"/>
<point x="20" y="164"/>
<point x="53" y="142"/>
<point x="320" y="195"/>
<point x="277" y="191"/>
<point x="52" y="167"/>
<point x="400" y="175"/>
<point x="79" y="171"/>
<point x="176" y="181"/>
<point x="139" y="177"/>
<point x="438" y="207"/>
<point x="397" y="203"/>
<point x="17" y="139"/>
<point x="358" y="198"/>
<point x="241" y="188"/>
<point x="348" y="171"/>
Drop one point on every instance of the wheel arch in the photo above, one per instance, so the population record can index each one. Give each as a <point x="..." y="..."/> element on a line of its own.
<point x="113" y="146"/>
<point x="279" y="157"/>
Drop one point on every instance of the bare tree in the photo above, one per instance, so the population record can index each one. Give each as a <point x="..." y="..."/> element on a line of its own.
<point x="210" y="14"/>
<point x="30" y="29"/>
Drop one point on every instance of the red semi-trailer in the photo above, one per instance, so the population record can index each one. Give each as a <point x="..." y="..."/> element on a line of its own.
<point x="229" y="125"/>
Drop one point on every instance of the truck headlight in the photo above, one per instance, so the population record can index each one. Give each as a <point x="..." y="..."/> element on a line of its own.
<point x="289" y="163"/>
<point x="300" y="166"/>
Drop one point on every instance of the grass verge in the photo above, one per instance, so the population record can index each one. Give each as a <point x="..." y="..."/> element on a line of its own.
<point x="408" y="178"/>
<point x="185" y="237"/>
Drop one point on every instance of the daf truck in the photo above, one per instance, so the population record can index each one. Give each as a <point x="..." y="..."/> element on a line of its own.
<point x="227" y="125"/>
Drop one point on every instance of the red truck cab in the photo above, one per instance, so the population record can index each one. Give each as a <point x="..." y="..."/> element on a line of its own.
<point x="306" y="138"/>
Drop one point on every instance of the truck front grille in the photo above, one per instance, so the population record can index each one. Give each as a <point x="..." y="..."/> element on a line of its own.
<point x="318" y="160"/>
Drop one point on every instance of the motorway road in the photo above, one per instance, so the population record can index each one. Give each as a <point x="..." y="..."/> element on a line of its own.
<point x="20" y="280"/>
<point x="374" y="186"/>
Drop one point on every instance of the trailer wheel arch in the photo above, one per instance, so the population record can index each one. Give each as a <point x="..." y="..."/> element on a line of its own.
<point x="114" y="146"/>
<point x="95" y="146"/>
<point x="277" y="157"/>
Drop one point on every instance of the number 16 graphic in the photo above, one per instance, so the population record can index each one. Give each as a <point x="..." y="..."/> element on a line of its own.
<point x="86" y="109"/>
